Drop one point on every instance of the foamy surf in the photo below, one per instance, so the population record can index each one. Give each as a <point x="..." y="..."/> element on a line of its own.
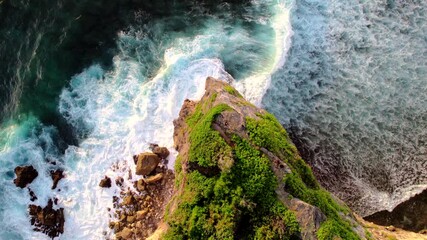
<point x="117" y="113"/>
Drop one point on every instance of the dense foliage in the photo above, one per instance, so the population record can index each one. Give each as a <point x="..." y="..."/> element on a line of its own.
<point x="240" y="202"/>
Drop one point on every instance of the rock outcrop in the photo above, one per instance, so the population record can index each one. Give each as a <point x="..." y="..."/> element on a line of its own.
<point x="25" y="175"/>
<point x="410" y="215"/>
<point x="56" y="176"/>
<point x="105" y="183"/>
<point x="238" y="175"/>
<point x="47" y="219"/>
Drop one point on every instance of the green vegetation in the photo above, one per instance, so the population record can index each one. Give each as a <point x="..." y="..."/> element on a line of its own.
<point x="207" y="146"/>
<point x="268" y="133"/>
<point x="239" y="202"/>
<point x="232" y="91"/>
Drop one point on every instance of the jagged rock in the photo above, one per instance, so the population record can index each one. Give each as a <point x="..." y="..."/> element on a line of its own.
<point x="24" y="175"/>
<point x="146" y="163"/>
<point x="126" y="233"/>
<point x="154" y="178"/>
<point x="47" y="220"/>
<point x="56" y="176"/>
<point x="105" y="183"/>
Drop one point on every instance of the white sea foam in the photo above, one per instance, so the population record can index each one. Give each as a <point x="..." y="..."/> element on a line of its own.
<point x="117" y="113"/>
<point x="254" y="87"/>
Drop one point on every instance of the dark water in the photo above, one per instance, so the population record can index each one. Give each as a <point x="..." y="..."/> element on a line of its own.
<point x="85" y="84"/>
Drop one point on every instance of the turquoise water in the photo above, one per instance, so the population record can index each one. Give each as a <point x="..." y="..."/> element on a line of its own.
<point x="90" y="121"/>
<point x="88" y="84"/>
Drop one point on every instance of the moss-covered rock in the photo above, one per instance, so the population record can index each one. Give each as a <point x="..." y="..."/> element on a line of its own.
<point x="238" y="176"/>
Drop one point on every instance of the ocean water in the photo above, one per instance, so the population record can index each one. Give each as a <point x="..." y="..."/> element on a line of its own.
<point x="110" y="110"/>
<point x="87" y="85"/>
<point x="353" y="94"/>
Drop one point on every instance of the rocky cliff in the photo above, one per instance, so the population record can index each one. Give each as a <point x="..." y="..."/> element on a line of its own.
<point x="239" y="176"/>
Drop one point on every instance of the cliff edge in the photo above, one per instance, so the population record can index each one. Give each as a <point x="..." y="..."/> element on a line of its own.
<point x="239" y="176"/>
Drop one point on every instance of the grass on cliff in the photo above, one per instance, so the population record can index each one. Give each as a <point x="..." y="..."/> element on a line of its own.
<point x="237" y="203"/>
<point x="268" y="133"/>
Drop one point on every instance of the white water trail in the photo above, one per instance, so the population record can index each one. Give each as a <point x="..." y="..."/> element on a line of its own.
<point x="254" y="87"/>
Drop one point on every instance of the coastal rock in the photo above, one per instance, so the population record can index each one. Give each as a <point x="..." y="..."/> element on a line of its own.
<point x="146" y="163"/>
<point x="126" y="233"/>
<point x="128" y="200"/>
<point x="119" y="181"/>
<point x="162" y="152"/>
<point x="140" y="185"/>
<point x="56" y="176"/>
<point x="33" y="196"/>
<point x="224" y="135"/>
<point x="309" y="218"/>
<point x="153" y="179"/>
<point x="410" y="215"/>
<point x="47" y="220"/>
<point x="105" y="183"/>
<point x="24" y="175"/>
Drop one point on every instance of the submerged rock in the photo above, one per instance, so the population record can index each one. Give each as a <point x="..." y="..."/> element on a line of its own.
<point x="105" y="183"/>
<point x="24" y="175"/>
<point x="47" y="220"/>
<point x="146" y="163"/>
<point x="56" y="176"/>
<point x="33" y="196"/>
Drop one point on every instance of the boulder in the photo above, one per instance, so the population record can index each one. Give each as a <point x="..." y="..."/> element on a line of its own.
<point x="146" y="163"/>
<point x="56" y="176"/>
<point x="47" y="219"/>
<point x="24" y="175"/>
<point x="153" y="179"/>
<point x="105" y="183"/>
<point x="140" y="214"/>
<point x="162" y="152"/>
<point x="128" y="200"/>
<point x="126" y="233"/>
